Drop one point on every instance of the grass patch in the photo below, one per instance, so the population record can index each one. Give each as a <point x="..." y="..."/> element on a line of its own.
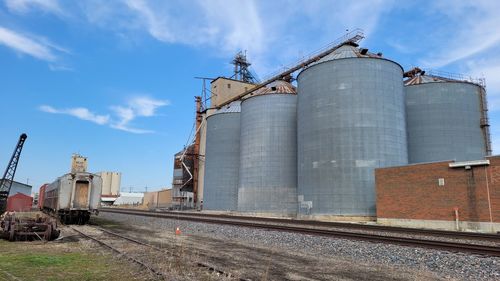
<point x="59" y="261"/>
<point x="40" y="260"/>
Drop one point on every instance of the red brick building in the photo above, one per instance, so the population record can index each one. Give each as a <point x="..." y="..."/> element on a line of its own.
<point x="446" y="195"/>
<point x="19" y="202"/>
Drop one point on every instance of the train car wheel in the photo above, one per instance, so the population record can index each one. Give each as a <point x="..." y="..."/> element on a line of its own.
<point x="48" y="232"/>
<point x="12" y="232"/>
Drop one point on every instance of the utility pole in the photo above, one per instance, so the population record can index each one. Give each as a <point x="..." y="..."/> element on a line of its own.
<point x="204" y="91"/>
<point x="196" y="152"/>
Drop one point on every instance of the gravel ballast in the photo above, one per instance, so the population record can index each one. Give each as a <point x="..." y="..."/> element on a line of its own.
<point x="444" y="264"/>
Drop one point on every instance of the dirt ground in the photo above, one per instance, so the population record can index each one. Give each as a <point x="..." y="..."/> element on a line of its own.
<point x="77" y="258"/>
<point x="257" y="263"/>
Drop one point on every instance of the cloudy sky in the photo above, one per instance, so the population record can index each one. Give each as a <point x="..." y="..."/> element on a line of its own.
<point x="114" y="80"/>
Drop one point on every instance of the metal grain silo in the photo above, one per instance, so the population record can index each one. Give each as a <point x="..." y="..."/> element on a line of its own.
<point x="351" y="120"/>
<point x="116" y="181"/>
<point x="446" y="120"/>
<point x="222" y="159"/>
<point x="268" y="151"/>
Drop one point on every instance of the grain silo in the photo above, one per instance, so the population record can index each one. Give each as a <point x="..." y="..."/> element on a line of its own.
<point x="446" y="119"/>
<point x="222" y="159"/>
<point x="351" y="120"/>
<point x="111" y="182"/>
<point x="268" y="151"/>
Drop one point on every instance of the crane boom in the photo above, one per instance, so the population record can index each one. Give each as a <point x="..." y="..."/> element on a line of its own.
<point x="8" y="176"/>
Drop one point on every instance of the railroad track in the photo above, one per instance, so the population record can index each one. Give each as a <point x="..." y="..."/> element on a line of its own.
<point x="355" y="226"/>
<point x="405" y="241"/>
<point x="144" y="265"/>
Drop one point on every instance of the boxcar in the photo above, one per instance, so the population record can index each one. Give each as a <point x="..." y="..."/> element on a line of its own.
<point x="41" y="195"/>
<point x="73" y="197"/>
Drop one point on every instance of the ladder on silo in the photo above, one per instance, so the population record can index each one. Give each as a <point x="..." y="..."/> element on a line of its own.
<point x="484" y="123"/>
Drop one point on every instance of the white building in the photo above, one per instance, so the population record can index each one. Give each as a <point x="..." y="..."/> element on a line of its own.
<point x="129" y="198"/>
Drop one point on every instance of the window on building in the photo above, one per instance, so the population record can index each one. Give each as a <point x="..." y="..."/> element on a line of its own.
<point x="441" y="181"/>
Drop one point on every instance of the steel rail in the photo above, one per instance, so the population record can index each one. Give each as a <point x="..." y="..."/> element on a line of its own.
<point x="200" y="264"/>
<point x="357" y="226"/>
<point x="143" y="265"/>
<point x="404" y="241"/>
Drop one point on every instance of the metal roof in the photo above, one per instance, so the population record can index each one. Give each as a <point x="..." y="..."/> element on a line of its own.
<point x="280" y="87"/>
<point x="276" y="87"/>
<point x="234" y="107"/>
<point x="422" y="79"/>
<point x="347" y="51"/>
<point x="417" y="76"/>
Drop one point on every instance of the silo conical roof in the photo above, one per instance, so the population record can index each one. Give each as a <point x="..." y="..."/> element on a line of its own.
<point x="233" y="107"/>
<point x="276" y="87"/>
<point x="346" y="51"/>
<point x="422" y="79"/>
<point x="279" y="87"/>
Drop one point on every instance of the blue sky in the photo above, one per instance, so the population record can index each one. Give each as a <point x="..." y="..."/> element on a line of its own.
<point x="114" y="80"/>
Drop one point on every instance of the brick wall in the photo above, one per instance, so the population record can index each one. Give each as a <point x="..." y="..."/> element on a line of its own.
<point x="413" y="192"/>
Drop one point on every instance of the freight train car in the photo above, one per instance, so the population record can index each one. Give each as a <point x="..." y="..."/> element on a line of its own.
<point x="73" y="197"/>
<point x="41" y="196"/>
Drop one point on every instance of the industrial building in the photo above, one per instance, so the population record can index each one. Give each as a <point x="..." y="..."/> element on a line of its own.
<point x="18" y="187"/>
<point x="306" y="142"/>
<point x="129" y="198"/>
<point x="161" y="199"/>
<point x="19" y="202"/>
<point x="111" y="182"/>
<point x="19" y="198"/>
<point x="446" y="195"/>
<point x="183" y="177"/>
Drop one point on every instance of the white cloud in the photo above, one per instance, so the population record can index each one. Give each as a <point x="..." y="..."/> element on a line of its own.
<point x="136" y="107"/>
<point x="490" y="70"/>
<point x="59" y="67"/>
<point x="144" y="106"/>
<point x="154" y="23"/>
<point x="122" y="115"/>
<point x="234" y="25"/>
<point x="23" y="6"/>
<point x="469" y="28"/>
<point x="36" y="47"/>
<point x="130" y="130"/>
<point x="264" y="28"/>
<point x="78" y="112"/>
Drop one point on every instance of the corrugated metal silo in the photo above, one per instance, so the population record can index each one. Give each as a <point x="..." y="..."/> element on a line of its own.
<point x="106" y="182"/>
<point x="351" y="120"/>
<point x="445" y="120"/>
<point x="268" y="151"/>
<point x="222" y="159"/>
